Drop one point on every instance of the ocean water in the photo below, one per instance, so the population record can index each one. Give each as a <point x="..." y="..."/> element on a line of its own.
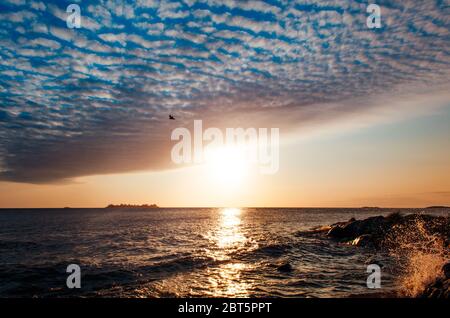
<point x="211" y="252"/>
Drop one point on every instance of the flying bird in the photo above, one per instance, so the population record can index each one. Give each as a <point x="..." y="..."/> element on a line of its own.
<point x="171" y="117"/>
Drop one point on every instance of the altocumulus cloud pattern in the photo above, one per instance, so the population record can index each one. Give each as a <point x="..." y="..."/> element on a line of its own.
<point x="93" y="100"/>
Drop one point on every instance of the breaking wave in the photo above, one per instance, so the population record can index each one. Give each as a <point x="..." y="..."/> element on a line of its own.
<point x="421" y="249"/>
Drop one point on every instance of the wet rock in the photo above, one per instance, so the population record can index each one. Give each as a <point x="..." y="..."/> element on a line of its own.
<point x="439" y="289"/>
<point x="365" y="240"/>
<point x="355" y="228"/>
<point x="285" y="268"/>
<point x="446" y="270"/>
<point x="337" y="232"/>
<point x="379" y="227"/>
<point x="373" y="225"/>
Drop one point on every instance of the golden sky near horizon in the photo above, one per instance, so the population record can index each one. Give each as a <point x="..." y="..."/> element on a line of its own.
<point x="400" y="164"/>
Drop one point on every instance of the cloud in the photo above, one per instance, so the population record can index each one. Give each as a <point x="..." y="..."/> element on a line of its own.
<point x="45" y="43"/>
<point x="62" y="34"/>
<point x="114" y="38"/>
<point x="96" y="99"/>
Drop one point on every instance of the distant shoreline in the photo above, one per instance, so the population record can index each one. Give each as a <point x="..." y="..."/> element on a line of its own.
<point x="438" y="207"/>
<point x="132" y="206"/>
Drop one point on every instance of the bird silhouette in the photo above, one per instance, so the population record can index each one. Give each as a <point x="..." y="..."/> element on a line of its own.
<point x="171" y="117"/>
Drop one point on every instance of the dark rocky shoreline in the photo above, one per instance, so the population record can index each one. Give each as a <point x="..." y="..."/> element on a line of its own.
<point x="441" y="287"/>
<point x="400" y="234"/>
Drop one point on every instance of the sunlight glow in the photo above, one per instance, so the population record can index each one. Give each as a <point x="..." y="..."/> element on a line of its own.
<point x="229" y="234"/>
<point x="228" y="166"/>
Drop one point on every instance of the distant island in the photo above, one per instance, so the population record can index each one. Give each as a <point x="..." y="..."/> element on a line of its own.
<point x="437" y="207"/>
<point x="132" y="206"/>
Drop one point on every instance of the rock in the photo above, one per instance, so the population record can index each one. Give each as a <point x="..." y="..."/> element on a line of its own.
<point x="446" y="270"/>
<point x="384" y="229"/>
<point x="439" y="289"/>
<point x="352" y="229"/>
<point x="285" y="268"/>
<point x="373" y="225"/>
<point x="365" y="240"/>
<point x="336" y="232"/>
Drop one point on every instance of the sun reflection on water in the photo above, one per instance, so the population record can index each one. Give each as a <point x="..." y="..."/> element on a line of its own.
<point x="226" y="280"/>
<point x="229" y="233"/>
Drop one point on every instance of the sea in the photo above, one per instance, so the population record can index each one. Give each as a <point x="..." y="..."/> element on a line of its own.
<point x="187" y="252"/>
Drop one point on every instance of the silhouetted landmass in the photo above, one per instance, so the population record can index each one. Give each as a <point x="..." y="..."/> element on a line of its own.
<point x="132" y="206"/>
<point x="438" y="207"/>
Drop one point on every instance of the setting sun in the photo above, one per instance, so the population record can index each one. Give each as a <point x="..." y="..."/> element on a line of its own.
<point x="227" y="166"/>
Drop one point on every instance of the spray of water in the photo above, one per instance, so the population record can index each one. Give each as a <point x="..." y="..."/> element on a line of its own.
<point x="419" y="246"/>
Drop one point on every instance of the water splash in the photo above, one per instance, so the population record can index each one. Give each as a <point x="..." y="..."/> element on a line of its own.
<point x="419" y="246"/>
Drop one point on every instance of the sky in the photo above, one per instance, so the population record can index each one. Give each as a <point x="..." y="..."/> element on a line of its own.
<point x="363" y="113"/>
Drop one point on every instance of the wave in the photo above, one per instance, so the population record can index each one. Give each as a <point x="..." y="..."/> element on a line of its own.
<point x="5" y="244"/>
<point x="421" y="249"/>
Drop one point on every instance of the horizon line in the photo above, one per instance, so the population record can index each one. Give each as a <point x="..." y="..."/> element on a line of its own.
<point x="242" y="207"/>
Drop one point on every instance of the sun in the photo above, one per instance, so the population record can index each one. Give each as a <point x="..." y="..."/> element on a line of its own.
<point x="227" y="166"/>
